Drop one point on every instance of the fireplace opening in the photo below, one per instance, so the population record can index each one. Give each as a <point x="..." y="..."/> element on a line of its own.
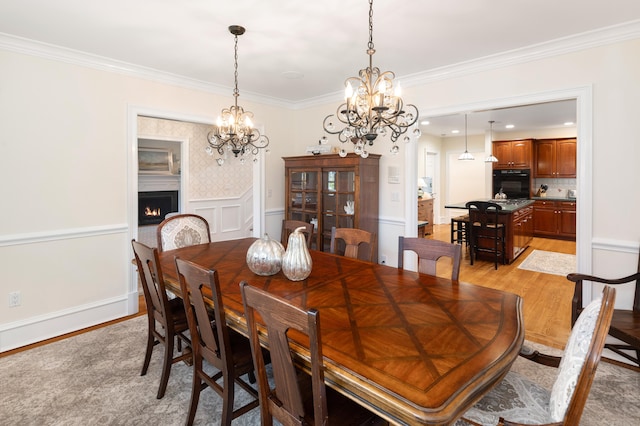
<point x="153" y="206"/>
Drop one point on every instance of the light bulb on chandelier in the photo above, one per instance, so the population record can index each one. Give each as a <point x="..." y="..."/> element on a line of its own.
<point x="234" y="131"/>
<point x="373" y="108"/>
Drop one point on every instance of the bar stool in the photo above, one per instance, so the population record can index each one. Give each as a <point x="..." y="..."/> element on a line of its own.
<point x="459" y="228"/>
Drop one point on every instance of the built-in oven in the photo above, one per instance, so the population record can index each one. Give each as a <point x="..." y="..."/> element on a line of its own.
<point x="514" y="183"/>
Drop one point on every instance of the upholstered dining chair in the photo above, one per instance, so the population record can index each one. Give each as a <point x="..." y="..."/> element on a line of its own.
<point x="166" y="317"/>
<point x="221" y="347"/>
<point x="486" y="233"/>
<point x="182" y="230"/>
<point x="625" y="325"/>
<point x="518" y="401"/>
<point x="288" y="226"/>
<point x="297" y="398"/>
<point x="429" y="252"/>
<point x="353" y="239"/>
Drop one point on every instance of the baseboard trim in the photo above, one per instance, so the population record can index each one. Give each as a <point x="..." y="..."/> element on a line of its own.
<point x="36" y="329"/>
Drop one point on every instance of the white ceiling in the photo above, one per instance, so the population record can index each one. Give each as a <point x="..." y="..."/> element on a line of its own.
<point x="321" y="42"/>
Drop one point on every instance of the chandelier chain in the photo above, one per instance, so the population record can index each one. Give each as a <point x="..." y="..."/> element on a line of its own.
<point x="236" y="92"/>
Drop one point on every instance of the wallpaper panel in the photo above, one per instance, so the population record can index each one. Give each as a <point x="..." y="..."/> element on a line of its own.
<point x="206" y="178"/>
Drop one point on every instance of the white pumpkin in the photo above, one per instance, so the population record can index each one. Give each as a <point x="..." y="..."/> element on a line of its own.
<point x="264" y="256"/>
<point x="296" y="263"/>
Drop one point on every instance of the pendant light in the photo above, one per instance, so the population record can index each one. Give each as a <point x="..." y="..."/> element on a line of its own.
<point x="466" y="155"/>
<point x="491" y="158"/>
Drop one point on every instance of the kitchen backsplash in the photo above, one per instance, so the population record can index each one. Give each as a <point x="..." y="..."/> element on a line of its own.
<point x="557" y="187"/>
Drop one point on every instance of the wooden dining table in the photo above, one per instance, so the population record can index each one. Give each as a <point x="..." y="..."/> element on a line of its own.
<point x="413" y="348"/>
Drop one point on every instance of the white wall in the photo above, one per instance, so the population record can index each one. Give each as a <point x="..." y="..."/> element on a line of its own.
<point x="64" y="230"/>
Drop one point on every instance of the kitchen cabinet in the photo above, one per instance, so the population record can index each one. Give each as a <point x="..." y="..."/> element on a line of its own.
<point x="555" y="158"/>
<point x="516" y="154"/>
<point x="321" y="189"/>
<point x="425" y="213"/>
<point x="554" y="218"/>
<point x="522" y="231"/>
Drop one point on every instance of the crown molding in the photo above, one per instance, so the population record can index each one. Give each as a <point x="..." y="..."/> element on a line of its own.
<point x="573" y="43"/>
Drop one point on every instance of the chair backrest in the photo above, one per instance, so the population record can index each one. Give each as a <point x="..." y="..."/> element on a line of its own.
<point x="212" y="343"/>
<point x="580" y="360"/>
<point x="288" y="226"/>
<point x="182" y="230"/>
<point x="483" y="213"/>
<point x="429" y="252"/>
<point x="353" y="238"/>
<point x="285" y="401"/>
<point x="152" y="281"/>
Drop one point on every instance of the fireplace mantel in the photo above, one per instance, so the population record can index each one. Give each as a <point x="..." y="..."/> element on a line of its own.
<point x="148" y="183"/>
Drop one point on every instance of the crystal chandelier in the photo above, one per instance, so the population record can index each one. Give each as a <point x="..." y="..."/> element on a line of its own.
<point x="466" y="155"/>
<point x="372" y="107"/>
<point x="234" y="130"/>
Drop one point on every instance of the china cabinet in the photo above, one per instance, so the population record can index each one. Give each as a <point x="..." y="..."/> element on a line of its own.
<point x="329" y="190"/>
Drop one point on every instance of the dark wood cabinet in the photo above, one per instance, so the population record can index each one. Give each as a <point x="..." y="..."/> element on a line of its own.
<point x="555" y="158"/>
<point x="425" y="213"/>
<point x="554" y="219"/>
<point x="320" y="189"/>
<point x="522" y="232"/>
<point x="516" y="154"/>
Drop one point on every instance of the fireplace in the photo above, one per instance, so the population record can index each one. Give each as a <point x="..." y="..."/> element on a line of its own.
<point x="153" y="206"/>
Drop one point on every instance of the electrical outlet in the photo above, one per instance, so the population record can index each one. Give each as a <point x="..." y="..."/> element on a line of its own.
<point x="14" y="299"/>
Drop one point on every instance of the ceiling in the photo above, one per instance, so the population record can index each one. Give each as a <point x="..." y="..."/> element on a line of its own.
<point x="294" y="51"/>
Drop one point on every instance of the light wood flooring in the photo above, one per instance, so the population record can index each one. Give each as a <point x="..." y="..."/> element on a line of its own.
<point x="546" y="297"/>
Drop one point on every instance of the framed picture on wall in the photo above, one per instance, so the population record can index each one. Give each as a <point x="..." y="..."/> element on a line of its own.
<point x="155" y="161"/>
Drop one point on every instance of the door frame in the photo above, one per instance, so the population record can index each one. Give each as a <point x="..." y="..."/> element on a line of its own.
<point x="584" y="126"/>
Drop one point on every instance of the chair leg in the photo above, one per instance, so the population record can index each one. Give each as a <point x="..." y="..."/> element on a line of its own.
<point x="168" y="361"/>
<point x="196" y="387"/>
<point x="227" y="399"/>
<point x="150" y="345"/>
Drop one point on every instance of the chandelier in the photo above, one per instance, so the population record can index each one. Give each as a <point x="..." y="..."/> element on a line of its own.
<point x="234" y="130"/>
<point x="372" y="107"/>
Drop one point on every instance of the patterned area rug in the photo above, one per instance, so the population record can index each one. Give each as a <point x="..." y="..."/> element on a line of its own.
<point x="94" y="378"/>
<point x="549" y="262"/>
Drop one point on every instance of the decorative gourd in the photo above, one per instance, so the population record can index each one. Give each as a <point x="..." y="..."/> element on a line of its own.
<point x="296" y="263"/>
<point x="264" y="256"/>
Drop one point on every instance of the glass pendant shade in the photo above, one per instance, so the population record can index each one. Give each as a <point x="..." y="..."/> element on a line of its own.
<point x="491" y="158"/>
<point x="466" y="155"/>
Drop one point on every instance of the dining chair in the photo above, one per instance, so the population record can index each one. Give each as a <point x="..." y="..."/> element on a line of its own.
<point x="182" y="230"/>
<point x="288" y="226"/>
<point x="297" y="398"/>
<point x="625" y="325"/>
<point x="352" y="239"/>
<point x="215" y="343"/>
<point x="429" y="252"/>
<point x="486" y="233"/>
<point x="517" y="401"/>
<point x="166" y="317"/>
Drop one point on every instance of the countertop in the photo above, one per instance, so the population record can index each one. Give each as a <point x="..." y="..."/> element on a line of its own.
<point x="508" y="206"/>
<point x="554" y="199"/>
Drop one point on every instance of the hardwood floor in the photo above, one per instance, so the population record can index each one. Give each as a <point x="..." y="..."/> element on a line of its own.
<point x="546" y="297"/>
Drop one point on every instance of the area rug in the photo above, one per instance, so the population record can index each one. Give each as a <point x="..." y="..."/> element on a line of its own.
<point x="94" y="379"/>
<point x="549" y="262"/>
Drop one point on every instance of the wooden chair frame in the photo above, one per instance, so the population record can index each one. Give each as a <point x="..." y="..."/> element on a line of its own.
<point x="429" y="252"/>
<point x="214" y="342"/>
<point x="484" y="225"/>
<point x="168" y="314"/>
<point x="288" y="226"/>
<point x="353" y="238"/>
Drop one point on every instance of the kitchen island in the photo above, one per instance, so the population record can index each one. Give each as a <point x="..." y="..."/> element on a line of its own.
<point x="517" y="217"/>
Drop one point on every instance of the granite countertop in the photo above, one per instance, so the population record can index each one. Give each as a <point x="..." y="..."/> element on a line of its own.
<point x="508" y="206"/>
<point x="554" y="198"/>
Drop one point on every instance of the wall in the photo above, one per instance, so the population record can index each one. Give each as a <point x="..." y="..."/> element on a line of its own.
<point x="64" y="230"/>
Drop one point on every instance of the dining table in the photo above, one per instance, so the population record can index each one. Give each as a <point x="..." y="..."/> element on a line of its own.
<point x="413" y="348"/>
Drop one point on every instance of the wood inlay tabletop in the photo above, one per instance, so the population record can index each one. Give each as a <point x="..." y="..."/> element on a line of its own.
<point x="414" y="348"/>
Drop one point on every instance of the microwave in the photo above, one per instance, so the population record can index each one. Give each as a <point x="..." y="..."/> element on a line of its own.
<point x="513" y="183"/>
